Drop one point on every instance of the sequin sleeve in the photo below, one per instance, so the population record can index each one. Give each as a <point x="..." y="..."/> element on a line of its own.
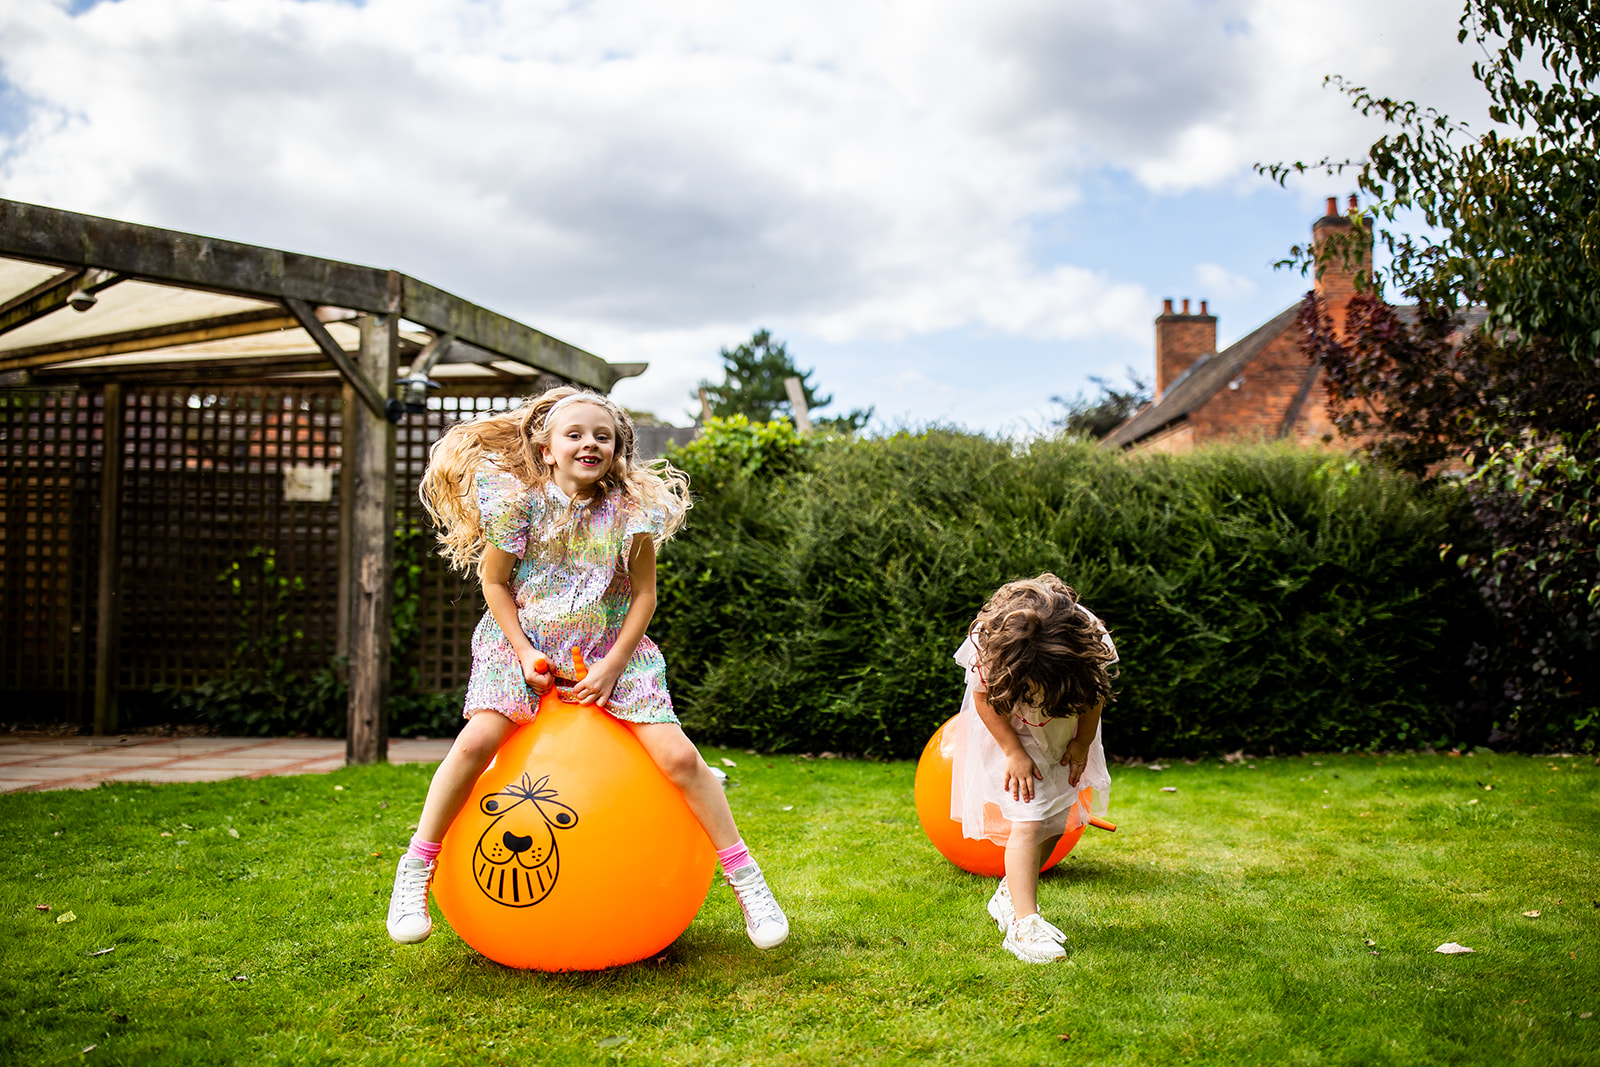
<point x="504" y="504"/>
<point x="641" y="520"/>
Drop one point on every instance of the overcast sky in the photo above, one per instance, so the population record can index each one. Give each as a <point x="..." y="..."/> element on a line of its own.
<point x="952" y="211"/>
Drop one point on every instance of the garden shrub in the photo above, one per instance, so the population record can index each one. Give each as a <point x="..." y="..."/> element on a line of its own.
<point x="1258" y="596"/>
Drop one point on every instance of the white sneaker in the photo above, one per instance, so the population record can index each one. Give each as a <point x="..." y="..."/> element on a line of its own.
<point x="1001" y="909"/>
<point x="1033" y="940"/>
<point x="764" y="921"/>
<point x="409" y="921"/>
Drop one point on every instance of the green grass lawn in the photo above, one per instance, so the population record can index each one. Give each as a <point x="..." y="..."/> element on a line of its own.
<point x="1283" y="911"/>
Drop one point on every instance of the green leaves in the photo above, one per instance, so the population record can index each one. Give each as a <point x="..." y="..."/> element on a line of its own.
<point x="1257" y="596"/>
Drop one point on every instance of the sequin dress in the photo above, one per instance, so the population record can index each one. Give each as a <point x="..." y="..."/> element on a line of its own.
<point x="979" y="800"/>
<point x="569" y="599"/>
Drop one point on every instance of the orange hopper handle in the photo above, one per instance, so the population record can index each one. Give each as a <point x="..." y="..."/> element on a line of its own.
<point x="580" y="669"/>
<point x="1102" y="824"/>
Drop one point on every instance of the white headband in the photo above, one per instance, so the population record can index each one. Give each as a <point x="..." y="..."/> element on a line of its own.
<point x="576" y="398"/>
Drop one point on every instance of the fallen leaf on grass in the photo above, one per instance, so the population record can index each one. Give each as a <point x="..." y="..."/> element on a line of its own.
<point x="613" y="1041"/>
<point x="788" y="807"/>
<point x="1450" y="948"/>
<point x="338" y="789"/>
<point x="1369" y="942"/>
<point x="165" y="834"/>
<point x="1063" y="1037"/>
<point x="1532" y="914"/>
<point x="41" y="907"/>
<point x="89" y="1048"/>
<point x="726" y="762"/>
<point x="1169" y="789"/>
<point x="1586" y="1015"/>
<point x="67" y="917"/>
<point x="232" y="832"/>
<point x="377" y="855"/>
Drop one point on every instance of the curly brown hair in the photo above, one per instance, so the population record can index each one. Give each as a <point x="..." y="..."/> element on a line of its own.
<point x="1037" y="647"/>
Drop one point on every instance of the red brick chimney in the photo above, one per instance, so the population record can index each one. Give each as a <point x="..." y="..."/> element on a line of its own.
<point x="1344" y="252"/>
<point x="1181" y="339"/>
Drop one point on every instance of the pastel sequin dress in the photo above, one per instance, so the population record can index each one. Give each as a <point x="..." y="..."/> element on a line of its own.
<point x="979" y="800"/>
<point x="565" y="600"/>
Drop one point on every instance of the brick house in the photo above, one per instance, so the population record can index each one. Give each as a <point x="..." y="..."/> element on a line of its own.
<point x="1260" y="388"/>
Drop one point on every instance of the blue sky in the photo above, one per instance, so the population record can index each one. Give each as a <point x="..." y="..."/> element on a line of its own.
<point x="951" y="211"/>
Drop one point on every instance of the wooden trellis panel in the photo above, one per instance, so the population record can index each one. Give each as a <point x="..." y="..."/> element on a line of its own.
<point x="217" y="565"/>
<point x="49" y="457"/>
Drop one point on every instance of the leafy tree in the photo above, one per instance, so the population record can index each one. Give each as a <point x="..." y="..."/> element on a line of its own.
<point x="1094" y="417"/>
<point x="1495" y="374"/>
<point x="752" y="385"/>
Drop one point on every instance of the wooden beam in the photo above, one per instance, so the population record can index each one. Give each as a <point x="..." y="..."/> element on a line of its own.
<point x="509" y="339"/>
<point x="370" y="395"/>
<point x="108" y="602"/>
<point x="173" y="335"/>
<point x="68" y="239"/>
<point x="49" y="295"/>
<point x="242" y="368"/>
<point x="367" y="457"/>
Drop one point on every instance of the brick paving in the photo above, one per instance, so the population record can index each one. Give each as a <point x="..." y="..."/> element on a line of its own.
<point x="33" y="763"/>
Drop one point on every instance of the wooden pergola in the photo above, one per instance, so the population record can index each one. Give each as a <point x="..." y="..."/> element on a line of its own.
<point x="93" y="300"/>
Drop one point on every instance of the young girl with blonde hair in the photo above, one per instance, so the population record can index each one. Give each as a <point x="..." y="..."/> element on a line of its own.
<point x="552" y="506"/>
<point x="1038" y="671"/>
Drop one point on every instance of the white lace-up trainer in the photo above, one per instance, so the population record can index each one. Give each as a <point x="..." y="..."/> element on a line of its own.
<point x="764" y="921"/>
<point x="1000" y="907"/>
<point x="1033" y="940"/>
<point x="409" y="921"/>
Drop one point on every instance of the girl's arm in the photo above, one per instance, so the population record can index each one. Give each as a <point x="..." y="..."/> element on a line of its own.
<point x="602" y="678"/>
<point x="1076" y="758"/>
<point x="1020" y="771"/>
<point x="495" y="573"/>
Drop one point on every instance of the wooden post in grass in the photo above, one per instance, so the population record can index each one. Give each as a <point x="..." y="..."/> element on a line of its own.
<point x="368" y="461"/>
<point x="108" y="604"/>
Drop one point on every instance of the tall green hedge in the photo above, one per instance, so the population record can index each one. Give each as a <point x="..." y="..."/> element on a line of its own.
<point x="1258" y="596"/>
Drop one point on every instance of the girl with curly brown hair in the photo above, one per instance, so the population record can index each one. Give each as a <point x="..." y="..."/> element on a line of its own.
<point x="1028" y="760"/>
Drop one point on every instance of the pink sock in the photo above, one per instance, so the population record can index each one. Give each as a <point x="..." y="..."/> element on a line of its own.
<point x="734" y="856"/>
<point x="428" y="851"/>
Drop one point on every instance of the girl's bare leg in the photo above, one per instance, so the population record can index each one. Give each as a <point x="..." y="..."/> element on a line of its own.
<point x="1022" y="867"/>
<point x="452" y="783"/>
<point x="680" y="761"/>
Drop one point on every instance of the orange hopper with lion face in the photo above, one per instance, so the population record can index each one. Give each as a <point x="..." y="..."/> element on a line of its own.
<point x="571" y="816"/>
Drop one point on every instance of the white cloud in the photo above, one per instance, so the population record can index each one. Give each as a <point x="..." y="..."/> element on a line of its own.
<point x="1217" y="281"/>
<point x="650" y="180"/>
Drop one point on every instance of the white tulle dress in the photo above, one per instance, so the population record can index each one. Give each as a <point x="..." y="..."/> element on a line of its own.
<point x="978" y="797"/>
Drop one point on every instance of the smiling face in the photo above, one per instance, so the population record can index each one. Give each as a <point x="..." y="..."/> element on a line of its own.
<point x="583" y="445"/>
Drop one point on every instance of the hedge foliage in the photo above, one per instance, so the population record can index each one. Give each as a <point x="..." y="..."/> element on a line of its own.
<point x="1258" y="596"/>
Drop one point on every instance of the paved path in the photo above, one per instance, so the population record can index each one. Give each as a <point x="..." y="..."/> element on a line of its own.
<point x="37" y="763"/>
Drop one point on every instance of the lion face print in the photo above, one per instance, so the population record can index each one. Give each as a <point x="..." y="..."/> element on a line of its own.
<point x="516" y="861"/>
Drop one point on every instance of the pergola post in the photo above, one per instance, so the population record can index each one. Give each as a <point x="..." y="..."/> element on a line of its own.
<point x="368" y="461"/>
<point x="108" y="605"/>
